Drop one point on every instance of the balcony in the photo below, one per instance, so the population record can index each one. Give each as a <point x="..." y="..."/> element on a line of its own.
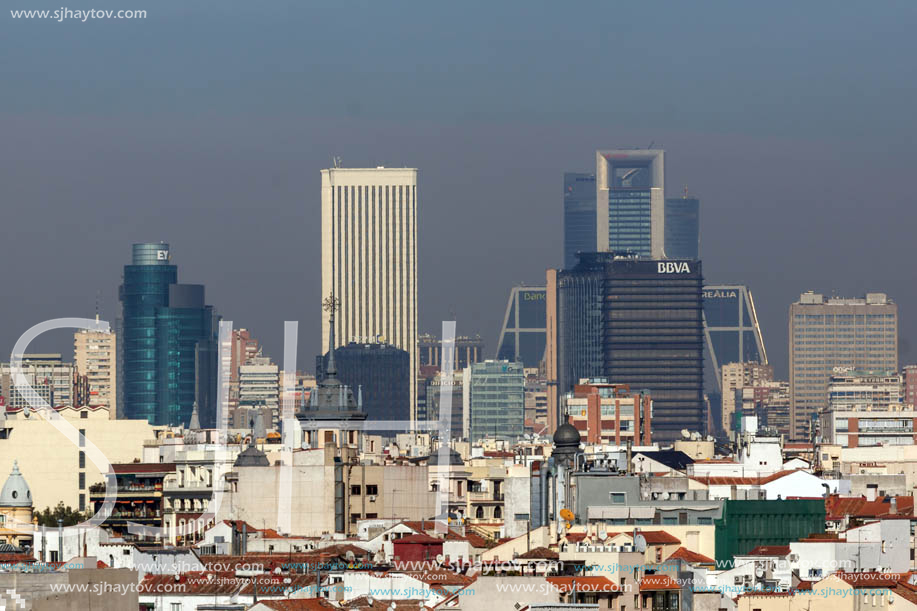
<point x="478" y="496"/>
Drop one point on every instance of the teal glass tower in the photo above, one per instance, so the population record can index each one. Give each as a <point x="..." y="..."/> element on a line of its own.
<point x="168" y="342"/>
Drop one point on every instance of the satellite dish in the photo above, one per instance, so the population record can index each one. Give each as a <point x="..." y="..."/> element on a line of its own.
<point x="350" y="556"/>
<point x="665" y="496"/>
<point x="567" y="514"/>
<point x="640" y="543"/>
<point x="440" y="558"/>
<point x="603" y="534"/>
<point x="686" y="434"/>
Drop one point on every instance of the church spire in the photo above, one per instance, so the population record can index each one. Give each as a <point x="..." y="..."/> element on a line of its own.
<point x="330" y="305"/>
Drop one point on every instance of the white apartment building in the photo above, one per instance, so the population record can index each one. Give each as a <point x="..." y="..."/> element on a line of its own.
<point x="50" y="378"/>
<point x="95" y="355"/>
<point x="866" y="408"/>
<point x="369" y="258"/>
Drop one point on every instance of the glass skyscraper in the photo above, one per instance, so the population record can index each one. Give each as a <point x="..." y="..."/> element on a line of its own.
<point x="633" y="321"/>
<point x="630" y="202"/>
<point x="494" y="399"/>
<point x="522" y="337"/>
<point x="731" y="330"/>
<point x="169" y="342"/>
<point x="682" y="228"/>
<point x="579" y="215"/>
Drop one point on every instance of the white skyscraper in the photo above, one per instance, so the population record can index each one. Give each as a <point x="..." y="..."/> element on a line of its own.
<point x="369" y="258"/>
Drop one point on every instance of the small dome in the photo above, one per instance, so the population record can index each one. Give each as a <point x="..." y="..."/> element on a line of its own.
<point x="566" y="435"/>
<point x="15" y="491"/>
<point x="252" y="457"/>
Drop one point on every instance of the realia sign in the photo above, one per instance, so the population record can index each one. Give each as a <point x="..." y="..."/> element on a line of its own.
<point x="673" y="267"/>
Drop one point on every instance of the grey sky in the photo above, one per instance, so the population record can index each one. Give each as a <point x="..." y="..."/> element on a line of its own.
<point x="206" y="124"/>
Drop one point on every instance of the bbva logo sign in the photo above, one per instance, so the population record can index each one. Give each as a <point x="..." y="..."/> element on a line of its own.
<point x="673" y="267"/>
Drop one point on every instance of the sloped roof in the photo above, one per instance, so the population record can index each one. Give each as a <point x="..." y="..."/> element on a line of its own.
<point x="730" y="480"/>
<point x="298" y="604"/>
<point x="683" y="553"/>
<point x="838" y="507"/>
<point x="659" y="537"/>
<point x="539" y="553"/>
<point x="418" y="538"/>
<point x="673" y="459"/>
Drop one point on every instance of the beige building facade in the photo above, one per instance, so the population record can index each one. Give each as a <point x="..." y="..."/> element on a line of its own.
<point x="95" y="354"/>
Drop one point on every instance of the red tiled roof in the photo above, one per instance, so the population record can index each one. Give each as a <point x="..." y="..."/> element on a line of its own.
<point x="658" y="582"/>
<point x="362" y="604"/>
<point x="659" y="537"/>
<point x="769" y="550"/>
<point x="443" y="577"/>
<point x="498" y="454"/>
<point x="583" y="584"/>
<point x="298" y="604"/>
<point x="839" y="507"/>
<point x="575" y="537"/>
<point x="418" y="538"/>
<point x="870" y="579"/>
<point x="730" y="480"/>
<point x="473" y="538"/>
<point x="539" y="553"/>
<point x="683" y="553"/>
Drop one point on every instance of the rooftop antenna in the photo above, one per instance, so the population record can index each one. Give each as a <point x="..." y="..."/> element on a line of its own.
<point x="337" y="162"/>
<point x="685" y="196"/>
<point x="652" y="142"/>
<point x="98" y="297"/>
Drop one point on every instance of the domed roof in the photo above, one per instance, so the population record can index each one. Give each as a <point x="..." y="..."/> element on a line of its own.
<point x="566" y="435"/>
<point x="15" y="491"/>
<point x="252" y="457"/>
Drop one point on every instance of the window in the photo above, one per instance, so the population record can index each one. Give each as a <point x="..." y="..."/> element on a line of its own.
<point x="372" y="489"/>
<point x="84" y="414"/>
<point x="82" y="481"/>
<point x="82" y="438"/>
<point x="82" y="502"/>
<point x="704" y="520"/>
<point x="356" y="490"/>
<point x="175" y="607"/>
<point x="617" y="498"/>
<point x="82" y="459"/>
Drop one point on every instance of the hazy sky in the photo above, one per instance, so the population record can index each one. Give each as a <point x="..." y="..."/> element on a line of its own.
<point x="206" y="124"/>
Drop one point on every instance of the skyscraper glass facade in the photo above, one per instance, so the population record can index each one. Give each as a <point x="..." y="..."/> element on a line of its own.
<point x="522" y="337"/>
<point x="579" y="216"/>
<point x="682" y="228"/>
<point x="630" y="210"/>
<point x="168" y="347"/>
<point x="653" y="338"/>
<point x="579" y="321"/>
<point x="731" y="330"/>
<point x="495" y="395"/>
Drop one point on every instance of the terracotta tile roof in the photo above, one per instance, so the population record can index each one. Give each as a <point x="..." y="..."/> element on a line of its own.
<point x="683" y="553"/>
<point x="23" y="558"/>
<point x="437" y="576"/>
<point x="298" y="604"/>
<point x="658" y="582"/>
<point x="803" y="586"/>
<point x="362" y="604"/>
<point x="418" y="538"/>
<point x="839" y="507"/>
<point x="575" y="537"/>
<point x="730" y="480"/>
<point x="540" y="553"/>
<point x="659" y="537"/>
<point x="583" y="584"/>
<point x="498" y="454"/>
<point x="473" y="538"/>
<point x="769" y="550"/>
<point x="870" y="579"/>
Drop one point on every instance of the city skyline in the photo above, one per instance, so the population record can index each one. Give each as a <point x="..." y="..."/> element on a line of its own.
<point x="243" y="162"/>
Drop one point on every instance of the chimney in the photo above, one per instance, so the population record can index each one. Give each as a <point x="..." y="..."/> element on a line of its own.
<point x="893" y="510"/>
<point x="871" y="490"/>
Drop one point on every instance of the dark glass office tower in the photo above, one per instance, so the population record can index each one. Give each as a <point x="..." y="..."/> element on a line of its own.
<point x="378" y="374"/>
<point x="653" y="337"/>
<point x="682" y="228"/>
<point x="579" y="216"/>
<point x="168" y="342"/>
<point x="579" y="320"/>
